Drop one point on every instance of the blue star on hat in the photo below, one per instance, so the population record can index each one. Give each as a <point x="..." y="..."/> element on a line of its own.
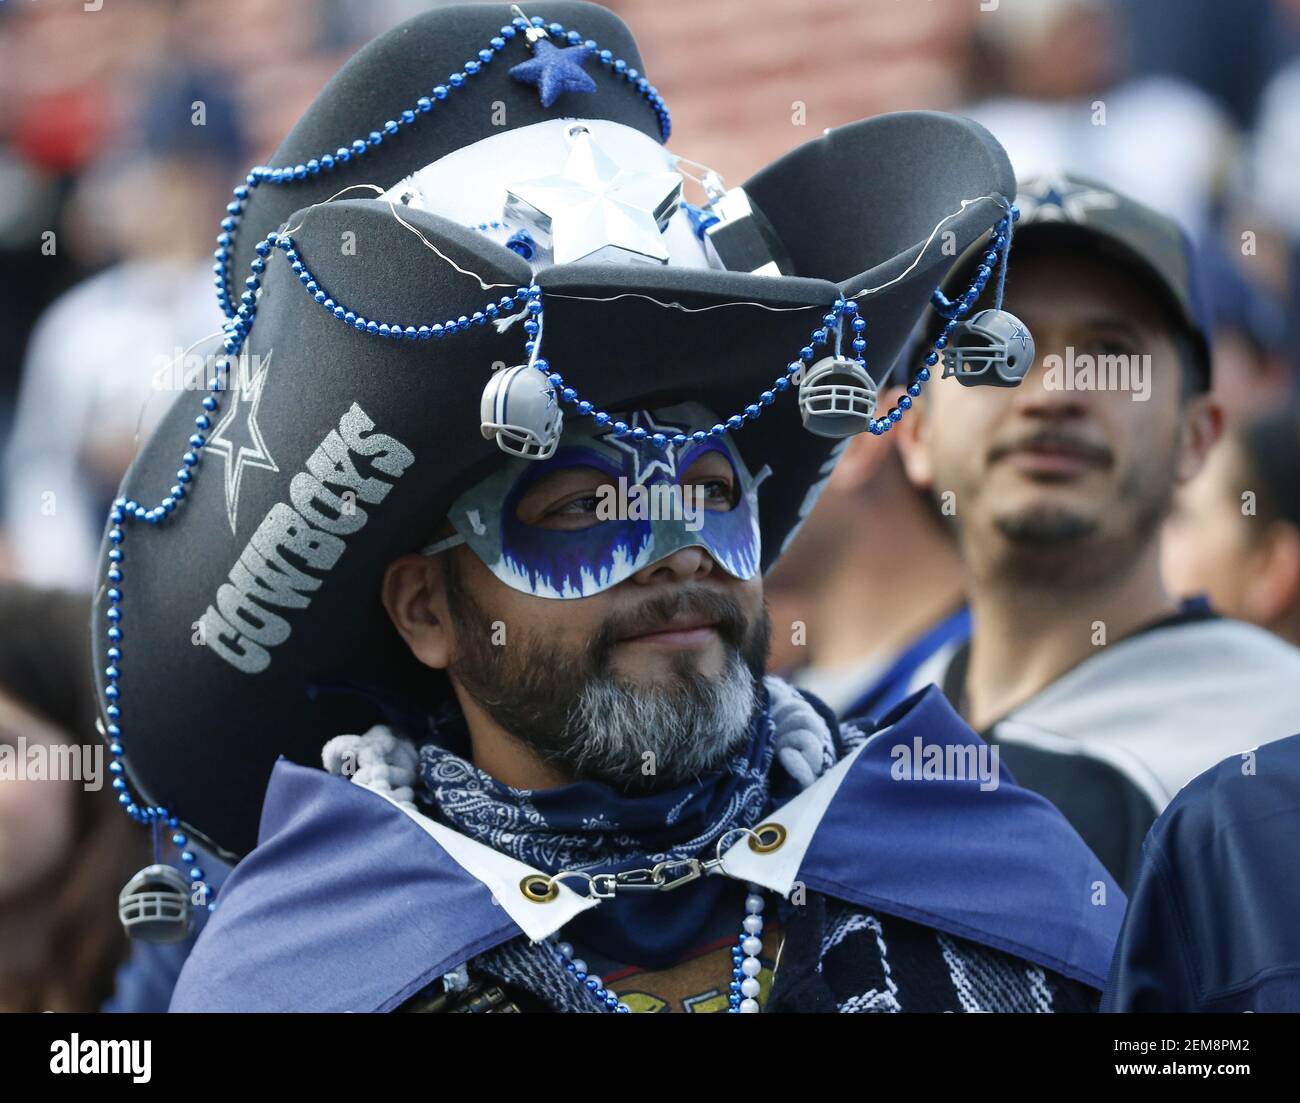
<point x="554" y="70"/>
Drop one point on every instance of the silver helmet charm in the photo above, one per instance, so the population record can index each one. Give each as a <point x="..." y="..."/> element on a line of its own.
<point x="154" y="906"/>
<point x="837" y="397"/>
<point x="519" y="408"/>
<point x="992" y="348"/>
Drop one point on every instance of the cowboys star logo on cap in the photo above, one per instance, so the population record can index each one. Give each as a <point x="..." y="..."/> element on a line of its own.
<point x="1053" y="198"/>
<point x="237" y="426"/>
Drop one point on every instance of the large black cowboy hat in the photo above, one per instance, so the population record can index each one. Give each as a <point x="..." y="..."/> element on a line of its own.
<point x="202" y="701"/>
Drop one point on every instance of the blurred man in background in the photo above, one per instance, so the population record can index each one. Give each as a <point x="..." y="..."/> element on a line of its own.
<point x="1234" y="534"/>
<point x="99" y="366"/>
<point x="118" y="127"/>
<point x="1104" y="693"/>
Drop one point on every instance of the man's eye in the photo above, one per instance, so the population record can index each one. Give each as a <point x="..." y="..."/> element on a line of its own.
<point x="580" y="511"/>
<point x="1111" y="346"/>
<point x="716" y="493"/>
<point x="578" y="507"/>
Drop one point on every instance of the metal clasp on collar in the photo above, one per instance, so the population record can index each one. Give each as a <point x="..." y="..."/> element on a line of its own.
<point x="662" y="877"/>
<point x="691" y="867"/>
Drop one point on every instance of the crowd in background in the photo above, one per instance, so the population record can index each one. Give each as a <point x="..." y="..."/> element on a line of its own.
<point x="122" y="130"/>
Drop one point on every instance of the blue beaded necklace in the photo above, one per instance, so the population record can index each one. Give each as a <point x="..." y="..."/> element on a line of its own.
<point x="742" y="994"/>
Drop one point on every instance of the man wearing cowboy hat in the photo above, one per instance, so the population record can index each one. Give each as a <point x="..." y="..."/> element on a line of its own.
<point x="501" y="451"/>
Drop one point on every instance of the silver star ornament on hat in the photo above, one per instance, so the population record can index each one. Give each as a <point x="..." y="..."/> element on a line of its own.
<point x="594" y="210"/>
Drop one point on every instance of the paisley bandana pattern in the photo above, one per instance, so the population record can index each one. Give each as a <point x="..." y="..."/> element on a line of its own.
<point x="590" y="826"/>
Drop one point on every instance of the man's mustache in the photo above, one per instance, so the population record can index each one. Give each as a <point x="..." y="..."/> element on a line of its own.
<point x="654" y="615"/>
<point x="1055" y="440"/>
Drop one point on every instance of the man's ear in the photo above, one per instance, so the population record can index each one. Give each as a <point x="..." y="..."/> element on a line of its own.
<point x="1272" y="591"/>
<point x="1202" y="428"/>
<point x="911" y="439"/>
<point x="415" y="598"/>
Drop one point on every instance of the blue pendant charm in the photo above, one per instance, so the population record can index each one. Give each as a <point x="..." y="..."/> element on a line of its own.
<point x="554" y="70"/>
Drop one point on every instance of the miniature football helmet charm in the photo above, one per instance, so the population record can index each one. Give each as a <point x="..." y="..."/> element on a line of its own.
<point x="154" y="906"/>
<point x="837" y="397"/>
<point x="520" y="409"/>
<point x="993" y="348"/>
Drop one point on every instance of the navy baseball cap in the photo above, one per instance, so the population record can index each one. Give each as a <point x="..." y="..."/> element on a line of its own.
<point x="1071" y="213"/>
<point x="1084" y="214"/>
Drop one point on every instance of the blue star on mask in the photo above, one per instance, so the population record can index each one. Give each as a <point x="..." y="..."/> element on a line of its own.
<point x="553" y="70"/>
<point x="646" y="457"/>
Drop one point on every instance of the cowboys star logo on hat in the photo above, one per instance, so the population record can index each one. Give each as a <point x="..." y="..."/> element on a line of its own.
<point x="237" y="438"/>
<point x="594" y="210"/>
<point x="1054" y="198"/>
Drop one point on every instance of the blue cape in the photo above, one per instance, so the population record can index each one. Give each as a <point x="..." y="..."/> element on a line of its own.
<point x="351" y="903"/>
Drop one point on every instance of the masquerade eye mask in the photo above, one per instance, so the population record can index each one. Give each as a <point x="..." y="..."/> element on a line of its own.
<point x="636" y="504"/>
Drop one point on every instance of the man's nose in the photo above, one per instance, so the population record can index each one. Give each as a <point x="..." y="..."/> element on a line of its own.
<point x="1042" y="393"/>
<point x="684" y="565"/>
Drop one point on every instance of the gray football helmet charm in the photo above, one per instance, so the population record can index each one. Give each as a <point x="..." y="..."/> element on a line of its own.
<point x="837" y="397"/>
<point x="154" y="906"/>
<point x="992" y="348"/>
<point x="520" y="409"/>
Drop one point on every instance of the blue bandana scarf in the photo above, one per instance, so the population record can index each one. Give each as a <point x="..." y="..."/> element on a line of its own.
<point x="592" y="827"/>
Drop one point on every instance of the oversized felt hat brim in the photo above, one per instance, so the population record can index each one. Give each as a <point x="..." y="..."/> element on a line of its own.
<point x="864" y="207"/>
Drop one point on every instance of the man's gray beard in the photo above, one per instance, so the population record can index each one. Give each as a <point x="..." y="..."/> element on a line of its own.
<point x="662" y="735"/>
<point x="578" y="716"/>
